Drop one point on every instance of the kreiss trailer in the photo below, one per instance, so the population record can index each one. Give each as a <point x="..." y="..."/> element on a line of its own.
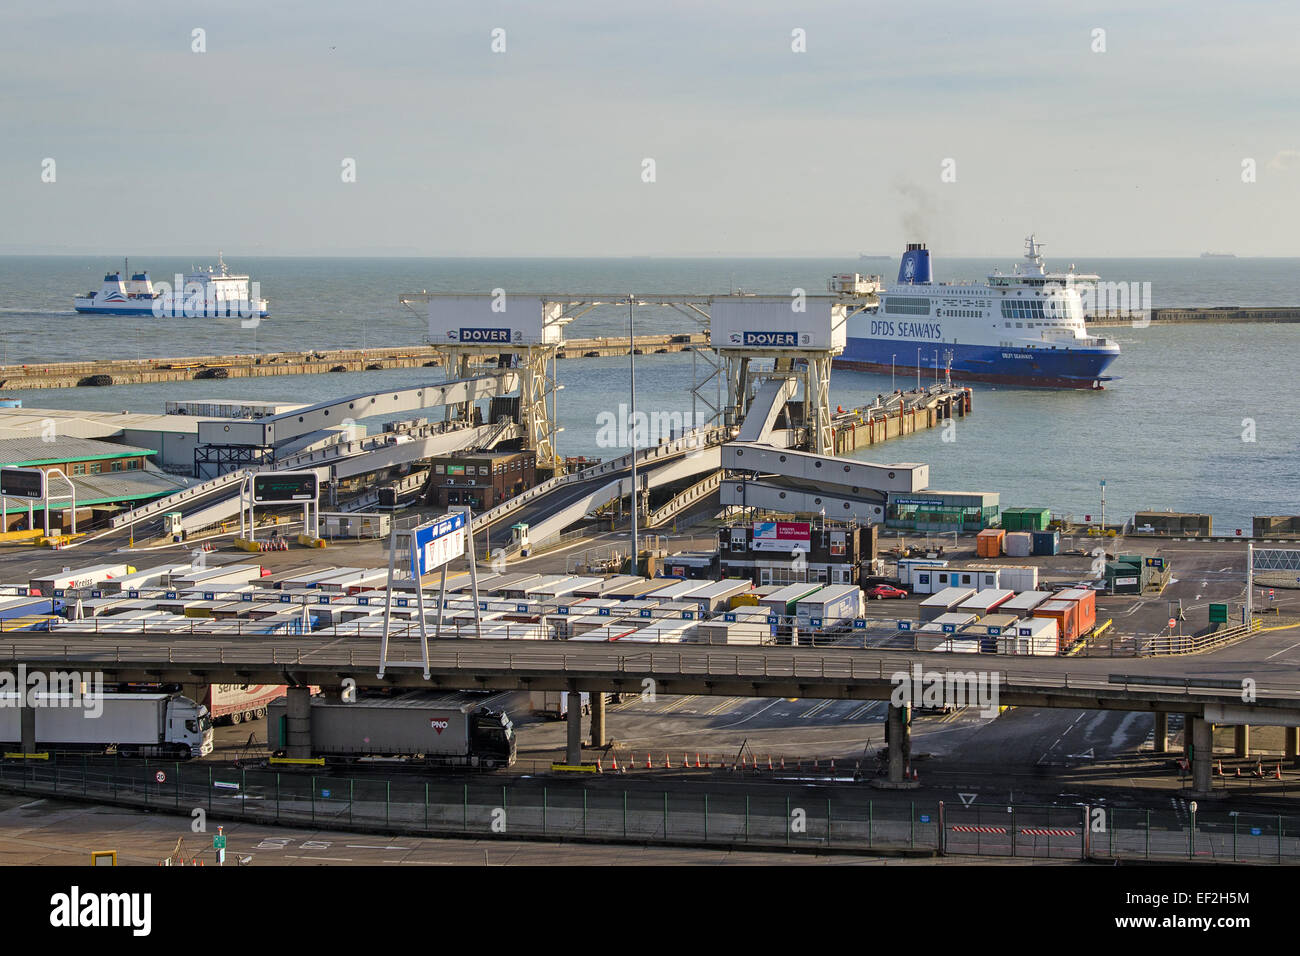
<point x="137" y="725"/>
<point x="453" y="730"/>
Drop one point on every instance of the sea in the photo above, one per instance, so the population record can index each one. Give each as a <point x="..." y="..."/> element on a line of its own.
<point x="1200" y="418"/>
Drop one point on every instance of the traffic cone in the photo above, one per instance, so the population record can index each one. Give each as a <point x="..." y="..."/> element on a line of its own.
<point x="769" y="762"/>
<point x="599" y="768"/>
<point x="686" y="762"/>
<point x="916" y="774"/>
<point x="668" y="764"/>
<point x="1277" y="774"/>
<point x="613" y="767"/>
<point x="647" y="762"/>
<point x="697" y="760"/>
<point x="783" y="761"/>
<point x="1238" y="771"/>
<point x="1219" y="769"/>
<point x="815" y="767"/>
<point x="832" y="765"/>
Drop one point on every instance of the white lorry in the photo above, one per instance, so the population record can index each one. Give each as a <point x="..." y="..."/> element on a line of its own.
<point x="136" y="725"/>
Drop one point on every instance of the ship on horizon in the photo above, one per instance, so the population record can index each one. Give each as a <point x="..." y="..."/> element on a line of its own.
<point x="1218" y="255"/>
<point x="211" y="293"/>
<point x="1026" y="328"/>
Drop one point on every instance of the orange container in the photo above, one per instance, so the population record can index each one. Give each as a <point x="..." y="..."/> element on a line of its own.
<point x="1066" y="615"/>
<point x="988" y="543"/>
<point x="1085" y="599"/>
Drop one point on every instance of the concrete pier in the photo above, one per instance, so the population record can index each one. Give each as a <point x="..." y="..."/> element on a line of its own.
<point x="573" y="754"/>
<point x="1160" y="744"/>
<point x="898" y="737"/>
<point x="27" y="729"/>
<point x="1241" y="741"/>
<point x="1202" y="753"/>
<point x="897" y="415"/>
<point x="297" y="714"/>
<point x="598" y="738"/>
<point x="255" y="365"/>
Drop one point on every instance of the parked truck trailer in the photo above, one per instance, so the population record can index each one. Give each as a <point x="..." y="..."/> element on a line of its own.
<point x="135" y="725"/>
<point x="453" y="730"/>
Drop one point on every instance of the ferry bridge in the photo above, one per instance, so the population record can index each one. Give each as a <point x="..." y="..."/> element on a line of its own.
<point x="1206" y="688"/>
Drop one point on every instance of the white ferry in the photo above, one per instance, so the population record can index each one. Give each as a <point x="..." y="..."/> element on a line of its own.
<point x="210" y="293"/>
<point x="1025" y="328"/>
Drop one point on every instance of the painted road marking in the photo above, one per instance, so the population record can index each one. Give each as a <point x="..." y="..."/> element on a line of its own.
<point x="812" y="712"/>
<point x="862" y="710"/>
<point x="330" y="859"/>
<point x="726" y="704"/>
<point x="677" y="704"/>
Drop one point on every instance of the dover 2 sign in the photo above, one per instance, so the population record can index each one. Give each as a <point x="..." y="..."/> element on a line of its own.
<point x="437" y="542"/>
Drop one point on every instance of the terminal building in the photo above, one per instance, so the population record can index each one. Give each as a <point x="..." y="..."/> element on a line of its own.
<point x="942" y="511"/>
<point x="792" y="552"/>
<point x="105" y="475"/>
<point x="481" y="481"/>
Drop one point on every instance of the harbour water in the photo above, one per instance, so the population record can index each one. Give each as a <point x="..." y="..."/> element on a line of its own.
<point x="1200" y="418"/>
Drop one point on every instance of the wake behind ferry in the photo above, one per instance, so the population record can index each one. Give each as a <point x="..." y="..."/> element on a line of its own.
<point x="1026" y="328"/>
<point x="203" y="294"/>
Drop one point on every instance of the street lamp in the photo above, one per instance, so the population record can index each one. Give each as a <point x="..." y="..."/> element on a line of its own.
<point x="631" y="352"/>
<point x="891" y="372"/>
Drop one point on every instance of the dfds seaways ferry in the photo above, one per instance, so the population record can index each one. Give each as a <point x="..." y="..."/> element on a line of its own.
<point x="1026" y="328"/>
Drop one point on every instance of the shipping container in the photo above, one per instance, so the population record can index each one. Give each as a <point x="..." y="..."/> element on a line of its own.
<point x="208" y="578"/>
<point x="943" y="602"/>
<point x="1047" y="542"/>
<point x="1086" y="599"/>
<point x="719" y="631"/>
<point x="78" y="578"/>
<point x="1018" y="544"/>
<point x="636" y="588"/>
<point x="1026" y="519"/>
<point x="717" y="595"/>
<point x="672" y="589"/>
<point x="949" y="622"/>
<point x="1066" y="615"/>
<point x="783" y="600"/>
<point x="988" y="543"/>
<point x="988" y="629"/>
<point x="1036" y="636"/>
<point x="603" y="587"/>
<point x="829" y="608"/>
<point x="984" y="602"/>
<point x="1025" y="601"/>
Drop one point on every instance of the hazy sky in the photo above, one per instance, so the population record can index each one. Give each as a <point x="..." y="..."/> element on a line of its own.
<point x="758" y="150"/>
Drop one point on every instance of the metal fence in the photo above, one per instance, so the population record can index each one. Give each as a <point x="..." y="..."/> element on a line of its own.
<point x="808" y="816"/>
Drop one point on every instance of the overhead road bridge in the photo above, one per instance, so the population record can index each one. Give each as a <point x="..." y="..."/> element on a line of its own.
<point x="1071" y="683"/>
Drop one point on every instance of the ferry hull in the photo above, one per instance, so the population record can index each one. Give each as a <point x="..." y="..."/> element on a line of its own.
<point x="219" y="314"/>
<point x="1039" y="368"/>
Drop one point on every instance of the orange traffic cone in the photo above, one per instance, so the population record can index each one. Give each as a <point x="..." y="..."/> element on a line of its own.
<point x="1219" y="769"/>
<point x="647" y="762"/>
<point x="1238" y="771"/>
<point x="916" y="774"/>
<point x="613" y="767"/>
<point x="668" y="764"/>
<point x="1277" y="774"/>
<point x="832" y="765"/>
<point x="599" y="768"/>
<point x="815" y="767"/>
<point x="697" y="760"/>
<point x="686" y="762"/>
<point x="783" y="761"/>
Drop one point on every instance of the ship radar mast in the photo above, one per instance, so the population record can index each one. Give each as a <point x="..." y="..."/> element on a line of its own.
<point x="1033" y="255"/>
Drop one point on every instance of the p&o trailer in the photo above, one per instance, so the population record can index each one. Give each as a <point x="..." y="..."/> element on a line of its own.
<point x="456" y="730"/>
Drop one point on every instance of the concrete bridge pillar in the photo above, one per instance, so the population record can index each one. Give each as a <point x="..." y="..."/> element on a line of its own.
<point x="1291" y="742"/>
<point x="1161" y="743"/>
<point x="1188" y="720"/>
<point x="899" y="739"/>
<point x="598" y="738"/>
<point x="297" y="719"/>
<point x="1202" y="753"/>
<point x="573" y="754"/>
<point x="27" y="729"/>
<point x="1241" y="744"/>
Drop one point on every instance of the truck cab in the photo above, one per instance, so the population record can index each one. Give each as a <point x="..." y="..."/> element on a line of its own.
<point x="492" y="738"/>
<point x="189" y="728"/>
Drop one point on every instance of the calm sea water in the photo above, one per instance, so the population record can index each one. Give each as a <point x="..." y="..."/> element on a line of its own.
<point x="1169" y="433"/>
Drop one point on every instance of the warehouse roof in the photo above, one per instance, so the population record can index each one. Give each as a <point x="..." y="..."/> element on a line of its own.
<point x="37" y="451"/>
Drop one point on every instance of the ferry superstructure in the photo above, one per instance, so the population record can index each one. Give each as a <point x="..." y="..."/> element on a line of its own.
<point x="210" y="293"/>
<point x="1026" y="328"/>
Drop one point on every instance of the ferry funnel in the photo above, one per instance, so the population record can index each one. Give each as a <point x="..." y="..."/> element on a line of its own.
<point x="915" y="266"/>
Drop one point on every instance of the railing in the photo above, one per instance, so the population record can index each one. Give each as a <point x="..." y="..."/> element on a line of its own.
<point x="1167" y="644"/>
<point x="826" y="814"/>
<point x="173" y="500"/>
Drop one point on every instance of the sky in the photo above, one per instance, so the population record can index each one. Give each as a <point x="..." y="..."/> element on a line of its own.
<point x="963" y="125"/>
